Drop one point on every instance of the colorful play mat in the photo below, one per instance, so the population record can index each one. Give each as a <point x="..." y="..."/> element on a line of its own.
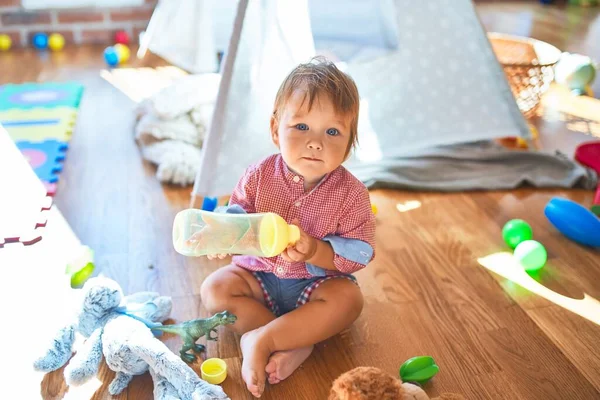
<point x="39" y="117"/>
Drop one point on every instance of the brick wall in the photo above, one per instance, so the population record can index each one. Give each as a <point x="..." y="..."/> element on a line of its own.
<point x="78" y="26"/>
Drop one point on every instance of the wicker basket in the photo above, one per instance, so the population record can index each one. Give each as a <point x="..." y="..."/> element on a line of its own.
<point x="528" y="65"/>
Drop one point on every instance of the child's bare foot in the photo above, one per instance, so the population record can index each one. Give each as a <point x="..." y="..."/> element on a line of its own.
<point x="256" y="353"/>
<point x="283" y="363"/>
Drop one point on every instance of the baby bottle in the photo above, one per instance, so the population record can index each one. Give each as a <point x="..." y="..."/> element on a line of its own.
<point x="199" y="232"/>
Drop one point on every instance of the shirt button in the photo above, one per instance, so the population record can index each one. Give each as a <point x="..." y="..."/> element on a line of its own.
<point x="296" y="179"/>
<point x="297" y="204"/>
<point x="280" y="270"/>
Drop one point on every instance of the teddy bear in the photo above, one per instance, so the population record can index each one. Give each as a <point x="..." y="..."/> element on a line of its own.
<point x="371" y="383"/>
<point x="119" y="328"/>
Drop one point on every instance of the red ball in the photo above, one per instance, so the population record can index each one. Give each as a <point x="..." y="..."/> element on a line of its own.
<point x="122" y="37"/>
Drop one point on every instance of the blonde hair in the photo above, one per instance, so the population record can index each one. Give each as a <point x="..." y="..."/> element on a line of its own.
<point x="321" y="76"/>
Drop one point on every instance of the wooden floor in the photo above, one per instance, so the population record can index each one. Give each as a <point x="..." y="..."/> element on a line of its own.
<point x="426" y="293"/>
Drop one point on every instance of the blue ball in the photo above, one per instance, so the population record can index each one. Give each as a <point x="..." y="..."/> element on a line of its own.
<point x="40" y="40"/>
<point x="110" y="56"/>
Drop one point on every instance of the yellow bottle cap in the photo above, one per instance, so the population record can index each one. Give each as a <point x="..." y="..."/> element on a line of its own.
<point x="214" y="370"/>
<point x="276" y="234"/>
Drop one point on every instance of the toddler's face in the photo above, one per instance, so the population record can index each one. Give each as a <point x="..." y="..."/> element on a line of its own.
<point x="312" y="143"/>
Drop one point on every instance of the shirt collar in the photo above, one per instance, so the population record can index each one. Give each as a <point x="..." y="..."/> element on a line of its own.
<point x="290" y="175"/>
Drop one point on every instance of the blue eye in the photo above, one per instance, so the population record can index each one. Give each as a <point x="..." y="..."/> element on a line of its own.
<point x="302" y="127"/>
<point x="332" y="132"/>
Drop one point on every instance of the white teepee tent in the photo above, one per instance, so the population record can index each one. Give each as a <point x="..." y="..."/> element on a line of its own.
<point x="442" y="86"/>
<point x="181" y="32"/>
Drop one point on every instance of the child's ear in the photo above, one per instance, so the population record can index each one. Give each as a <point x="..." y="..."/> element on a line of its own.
<point x="274" y="130"/>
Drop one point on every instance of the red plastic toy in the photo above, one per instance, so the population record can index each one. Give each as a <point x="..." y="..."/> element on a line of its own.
<point x="589" y="155"/>
<point x="122" y="37"/>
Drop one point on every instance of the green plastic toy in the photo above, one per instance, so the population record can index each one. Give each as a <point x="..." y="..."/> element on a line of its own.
<point x="516" y="231"/>
<point x="81" y="267"/>
<point x="531" y="254"/>
<point x="418" y="370"/>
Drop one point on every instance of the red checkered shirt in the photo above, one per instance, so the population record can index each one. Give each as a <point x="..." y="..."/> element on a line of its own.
<point x="337" y="210"/>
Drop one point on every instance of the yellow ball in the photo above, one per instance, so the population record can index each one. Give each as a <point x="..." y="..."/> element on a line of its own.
<point x="5" y="42"/>
<point x="56" y="42"/>
<point x="123" y="52"/>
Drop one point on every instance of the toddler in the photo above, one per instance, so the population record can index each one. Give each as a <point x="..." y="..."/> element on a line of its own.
<point x="288" y="303"/>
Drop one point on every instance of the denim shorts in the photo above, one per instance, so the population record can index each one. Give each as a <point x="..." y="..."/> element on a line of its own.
<point x="285" y="295"/>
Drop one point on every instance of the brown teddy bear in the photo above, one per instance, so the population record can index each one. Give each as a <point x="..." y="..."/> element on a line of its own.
<point x="370" y="383"/>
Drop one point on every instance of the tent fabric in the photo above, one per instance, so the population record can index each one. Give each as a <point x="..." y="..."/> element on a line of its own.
<point x="182" y="33"/>
<point x="273" y="38"/>
<point x="441" y="87"/>
<point x="484" y="165"/>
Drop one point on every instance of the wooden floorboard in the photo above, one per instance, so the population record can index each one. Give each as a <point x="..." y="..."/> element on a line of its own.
<point x="425" y="294"/>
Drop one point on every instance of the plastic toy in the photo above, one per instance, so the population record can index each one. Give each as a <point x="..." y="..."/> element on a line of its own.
<point x="209" y="203"/>
<point x="588" y="154"/>
<point x="574" y="221"/>
<point x="115" y="328"/>
<point x="56" y="42"/>
<point x="5" y="42"/>
<point x="40" y="41"/>
<point x="81" y="267"/>
<point x="419" y="370"/>
<point x="370" y="383"/>
<point x="531" y="254"/>
<point x="123" y="52"/>
<point x="121" y="37"/>
<point x="374" y="209"/>
<point x="583" y="3"/>
<point x="577" y="72"/>
<point x="214" y="370"/>
<point x="198" y="233"/>
<point x="191" y="331"/>
<point x="111" y="56"/>
<point x="516" y="231"/>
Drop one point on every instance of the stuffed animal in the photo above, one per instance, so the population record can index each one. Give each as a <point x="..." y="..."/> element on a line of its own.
<point x="117" y="327"/>
<point x="370" y="383"/>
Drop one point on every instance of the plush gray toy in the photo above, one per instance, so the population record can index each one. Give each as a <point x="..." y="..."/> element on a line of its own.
<point x="117" y="327"/>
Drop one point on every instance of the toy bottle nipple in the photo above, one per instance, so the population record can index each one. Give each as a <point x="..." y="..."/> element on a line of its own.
<point x="199" y="232"/>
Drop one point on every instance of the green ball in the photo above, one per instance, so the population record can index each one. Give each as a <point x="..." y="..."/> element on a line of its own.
<point x="531" y="254"/>
<point x="516" y="231"/>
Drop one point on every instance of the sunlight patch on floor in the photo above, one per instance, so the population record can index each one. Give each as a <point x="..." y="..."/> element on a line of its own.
<point x="85" y="391"/>
<point x="408" y="205"/>
<point x="507" y="266"/>
<point x="141" y="83"/>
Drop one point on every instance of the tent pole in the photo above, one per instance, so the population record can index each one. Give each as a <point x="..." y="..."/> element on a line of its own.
<point x="216" y="128"/>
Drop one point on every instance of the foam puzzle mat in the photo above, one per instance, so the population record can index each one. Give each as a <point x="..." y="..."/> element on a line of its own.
<point x="33" y="95"/>
<point x="39" y="124"/>
<point x="40" y="119"/>
<point x="36" y="124"/>
<point x="23" y="212"/>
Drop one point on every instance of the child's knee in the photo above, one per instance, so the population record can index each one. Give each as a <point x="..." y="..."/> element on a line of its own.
<point x="355" y="299"/>
<point x="346" y="295"/>
<point x="219" y="288"/>
<point x="214" y="293"/>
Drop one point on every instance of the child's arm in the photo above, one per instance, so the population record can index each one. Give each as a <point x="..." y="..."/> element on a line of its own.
<point x="350" y="249"/>
<point x="310" y="250"/>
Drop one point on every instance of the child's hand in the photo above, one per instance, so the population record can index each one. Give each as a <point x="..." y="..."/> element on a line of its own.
<point x="304" y="249"/>
<point x="214" y="256"/>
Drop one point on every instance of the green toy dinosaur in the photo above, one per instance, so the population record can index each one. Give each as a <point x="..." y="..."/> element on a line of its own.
<point x="191" y="331"/>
